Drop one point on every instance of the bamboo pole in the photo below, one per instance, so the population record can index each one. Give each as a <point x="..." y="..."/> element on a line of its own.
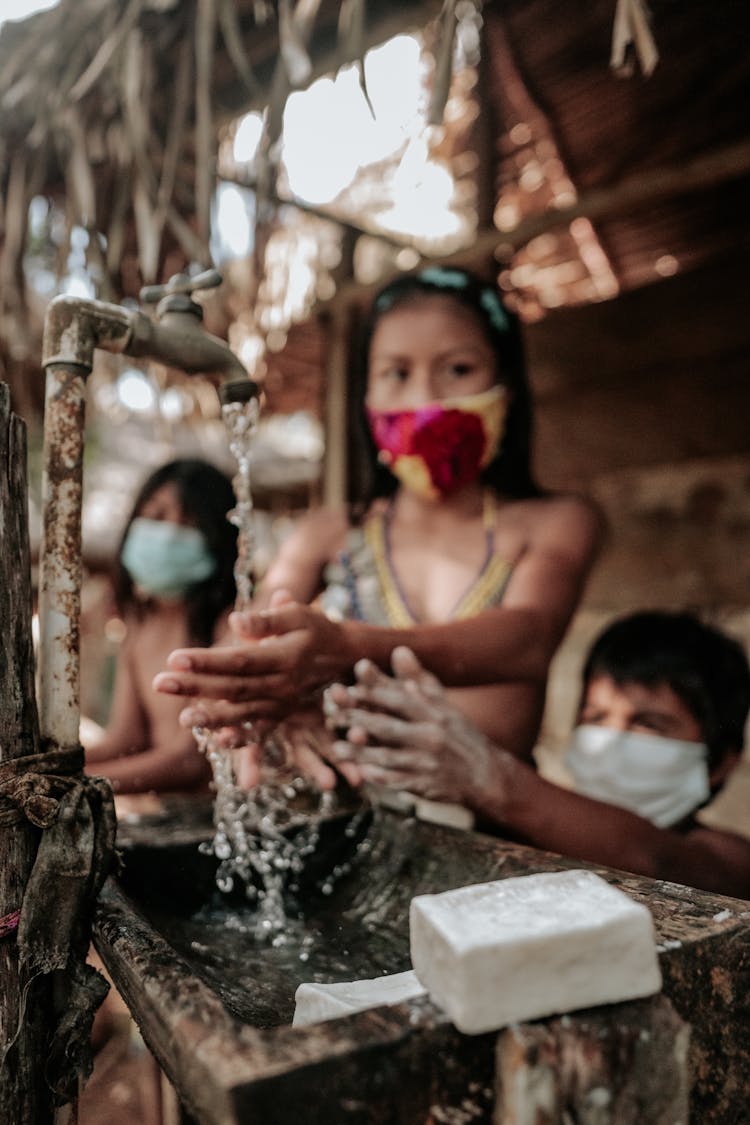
<point x="338" y="327"/>
<point x="636" y="193"/>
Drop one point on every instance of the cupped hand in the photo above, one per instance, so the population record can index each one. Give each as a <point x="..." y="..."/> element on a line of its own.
<point x="307" y="743"/>
<point x="296" y="747"/>
<point x="280" y="658"/>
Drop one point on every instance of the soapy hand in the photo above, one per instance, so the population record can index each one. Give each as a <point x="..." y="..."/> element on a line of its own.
<point x="403" y="733"/>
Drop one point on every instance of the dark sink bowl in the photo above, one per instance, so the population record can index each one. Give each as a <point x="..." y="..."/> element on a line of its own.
<point x="215" y="1005"/>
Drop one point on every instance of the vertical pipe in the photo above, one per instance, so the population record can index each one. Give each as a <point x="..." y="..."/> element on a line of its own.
<point x="60" y="554"/>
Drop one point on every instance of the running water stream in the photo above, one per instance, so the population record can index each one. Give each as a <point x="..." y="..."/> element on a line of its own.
<point x="262" y="837"/>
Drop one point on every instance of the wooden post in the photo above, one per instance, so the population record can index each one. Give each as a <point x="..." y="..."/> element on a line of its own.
<point x="336" y="407"/>
<point x="25" y="1007"/>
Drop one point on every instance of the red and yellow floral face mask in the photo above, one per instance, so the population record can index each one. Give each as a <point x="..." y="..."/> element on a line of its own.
<point x="443" y="446"/>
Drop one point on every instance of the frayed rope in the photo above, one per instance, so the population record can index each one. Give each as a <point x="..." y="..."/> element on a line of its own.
<point x="9" y="923"/>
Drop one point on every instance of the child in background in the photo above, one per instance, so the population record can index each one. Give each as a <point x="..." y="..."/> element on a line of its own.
<point x="660" y="729"/>
<point x="174" y="585"/>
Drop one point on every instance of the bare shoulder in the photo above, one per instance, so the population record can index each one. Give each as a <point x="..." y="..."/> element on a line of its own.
<point x="566" y="523"/>
<point x="569" y="511"/>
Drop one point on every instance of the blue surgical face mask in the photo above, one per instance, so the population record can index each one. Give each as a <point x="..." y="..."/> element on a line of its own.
<point x="165" y="559"/>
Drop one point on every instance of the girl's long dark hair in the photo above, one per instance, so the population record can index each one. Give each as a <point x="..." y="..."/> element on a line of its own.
<point x="510" y="472"/>
<point x="205" y="496"/>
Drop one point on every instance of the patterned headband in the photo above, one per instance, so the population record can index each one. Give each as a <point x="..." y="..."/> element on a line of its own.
<point x="442" y="277"/>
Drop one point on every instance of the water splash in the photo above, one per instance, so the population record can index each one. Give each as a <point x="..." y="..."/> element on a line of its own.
<point x="262" y="837"/>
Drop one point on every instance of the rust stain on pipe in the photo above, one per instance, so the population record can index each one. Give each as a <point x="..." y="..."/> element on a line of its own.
<point x="75" y="326"/>
<point x="60" y="577"/>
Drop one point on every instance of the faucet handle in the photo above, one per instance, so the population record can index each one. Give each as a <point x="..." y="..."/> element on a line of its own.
<point x="181" y="283"/>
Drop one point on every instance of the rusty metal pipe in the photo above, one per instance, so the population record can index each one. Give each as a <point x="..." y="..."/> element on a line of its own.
<point x="75" y="326"/>
<point x="60" y="554"/>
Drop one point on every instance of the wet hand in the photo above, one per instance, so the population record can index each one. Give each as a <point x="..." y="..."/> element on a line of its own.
<point x="296" y="639"/>
<point x="281" y="657"/>
<point x="307" y="743"/>
<point x="303" y="742"/>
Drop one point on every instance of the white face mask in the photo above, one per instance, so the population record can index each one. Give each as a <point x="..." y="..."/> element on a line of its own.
<point x="661" y="779"/>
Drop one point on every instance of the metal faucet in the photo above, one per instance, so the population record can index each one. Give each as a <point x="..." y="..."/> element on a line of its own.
<point x="74" y="328"/>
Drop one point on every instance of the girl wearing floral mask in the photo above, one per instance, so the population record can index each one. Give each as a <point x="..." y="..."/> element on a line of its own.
<point x="174" y="584"/>
<point x="458" y="554"/>
<point x="660" y="729"/>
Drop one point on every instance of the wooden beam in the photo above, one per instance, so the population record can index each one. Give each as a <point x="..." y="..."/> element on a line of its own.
<point x="631" y="194"/>
<point x="282" y="199"/>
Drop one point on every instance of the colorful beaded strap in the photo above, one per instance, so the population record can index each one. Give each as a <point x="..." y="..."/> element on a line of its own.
<point x="488" y="586"/>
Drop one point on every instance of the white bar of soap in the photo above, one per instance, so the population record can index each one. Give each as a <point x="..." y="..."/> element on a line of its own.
<point x="532" y="946"/>
<point x="444" y="812"/>
<point x="317" y="1002"/>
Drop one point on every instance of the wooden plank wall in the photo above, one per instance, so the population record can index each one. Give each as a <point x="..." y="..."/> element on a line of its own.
<point x="644" y="403"/>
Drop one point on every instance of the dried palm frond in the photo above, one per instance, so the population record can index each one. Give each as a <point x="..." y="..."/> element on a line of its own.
<point x="352" y="41"/>
<point x="79" y="174"/>
<point x="176" y="129"/>
<point x="80" y="91"/>
<point x="205" y="156"/>
<point x="13" y="312"/>
<point x="109" y="48"/>
<point x="443" y="73"/>
<point x="292" y="47"/>
<point x="230" y="29"/>
<point x="631" y="35"/>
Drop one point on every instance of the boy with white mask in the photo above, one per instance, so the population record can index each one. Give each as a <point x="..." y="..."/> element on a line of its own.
<point x="661" y="723"/>
<point x="662" y="715"/>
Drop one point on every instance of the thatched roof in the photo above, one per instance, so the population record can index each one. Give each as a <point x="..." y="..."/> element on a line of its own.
<point x="660" y="165"/>
<point x="588" y="183"/>
<point x="112" y="109"/>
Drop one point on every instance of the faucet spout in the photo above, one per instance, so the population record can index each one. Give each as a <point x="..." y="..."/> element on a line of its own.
<point x="178" y="340"/>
